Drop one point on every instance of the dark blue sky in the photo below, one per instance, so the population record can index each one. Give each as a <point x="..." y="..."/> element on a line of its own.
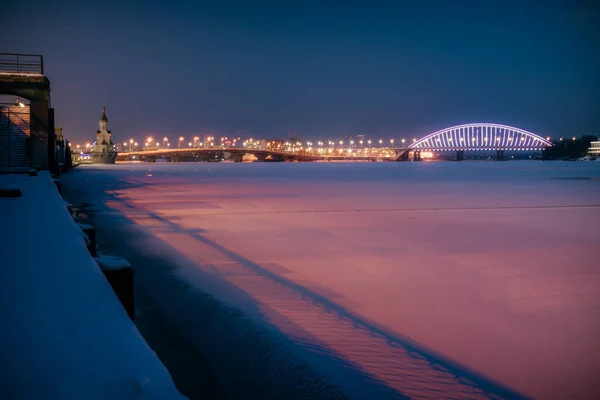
<point x="388" y="69"/>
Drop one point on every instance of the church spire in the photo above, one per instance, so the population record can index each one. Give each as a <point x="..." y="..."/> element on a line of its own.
<point x="103" y="118"/>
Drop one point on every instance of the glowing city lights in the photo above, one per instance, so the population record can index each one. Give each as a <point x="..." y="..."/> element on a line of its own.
<point x="457" y="138"/>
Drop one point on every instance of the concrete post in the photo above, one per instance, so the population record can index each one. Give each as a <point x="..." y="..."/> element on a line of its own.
<point x="39" y="134"/>
<point x="51" y="150"/>
<point x="238" y="157"/>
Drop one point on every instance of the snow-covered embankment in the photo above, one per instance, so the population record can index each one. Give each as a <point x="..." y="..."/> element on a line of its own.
<point x="64" y="333"/>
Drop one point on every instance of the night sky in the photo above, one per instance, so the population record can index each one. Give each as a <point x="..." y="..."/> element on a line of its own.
<point x="316" y="69"/>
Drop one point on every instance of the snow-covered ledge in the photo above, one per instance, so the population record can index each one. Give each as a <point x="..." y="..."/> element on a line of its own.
<point x="64" y="333"/>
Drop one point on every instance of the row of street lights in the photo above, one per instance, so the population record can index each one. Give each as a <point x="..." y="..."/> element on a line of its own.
<point x="151" y="142"/>
<point x="80" y="148"/>
<point x="209" y="141"/>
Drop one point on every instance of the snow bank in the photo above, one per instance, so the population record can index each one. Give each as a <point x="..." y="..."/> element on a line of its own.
<point x="64" y="335"/>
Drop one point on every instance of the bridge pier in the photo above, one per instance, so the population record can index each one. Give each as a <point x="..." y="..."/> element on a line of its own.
<point x="460" y="155"/>
<point x="176" y="159"/>
<point x="237" y="157"/>
<point x="546" y="154"/>
<point x="417" y="156"/>
<point x="403" y="156"/>
<point x="499" y="155"/>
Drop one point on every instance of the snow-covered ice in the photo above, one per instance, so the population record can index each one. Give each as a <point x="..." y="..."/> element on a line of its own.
<point x="64" y="334"/>
<point x="433" y="279"/>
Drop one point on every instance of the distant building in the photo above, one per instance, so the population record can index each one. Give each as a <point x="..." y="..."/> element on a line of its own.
<point x="272" y="145"/>
<point x="103" y="151"/>
<point x="594" y="149"/>
<point x="293" y="143"/>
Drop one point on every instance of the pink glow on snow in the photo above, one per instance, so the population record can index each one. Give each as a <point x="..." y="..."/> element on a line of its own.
<point x="499" y="276"/>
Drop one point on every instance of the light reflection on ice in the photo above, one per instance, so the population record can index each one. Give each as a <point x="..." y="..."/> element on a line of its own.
<point x="490" y="264"/>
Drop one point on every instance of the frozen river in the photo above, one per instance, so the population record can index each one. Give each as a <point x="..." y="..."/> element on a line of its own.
<point x="369" y="280"/>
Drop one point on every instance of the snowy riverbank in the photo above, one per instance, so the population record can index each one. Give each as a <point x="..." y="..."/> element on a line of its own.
<point x="64" y="335"/>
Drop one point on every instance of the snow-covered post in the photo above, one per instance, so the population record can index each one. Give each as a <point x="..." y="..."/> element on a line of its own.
<point x="119" y="273"/>
<point x="90" y="231"/>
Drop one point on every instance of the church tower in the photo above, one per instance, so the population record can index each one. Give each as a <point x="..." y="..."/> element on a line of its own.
<point x="103" y="119"/>
<point x="103" y="151"/>
<point x="103" y="141"/>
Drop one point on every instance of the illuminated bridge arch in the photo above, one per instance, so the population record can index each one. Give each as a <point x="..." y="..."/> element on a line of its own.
<point x="481" y="136"/>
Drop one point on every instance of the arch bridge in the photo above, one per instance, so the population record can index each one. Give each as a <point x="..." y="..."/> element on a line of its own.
<point x="479" y="137"/>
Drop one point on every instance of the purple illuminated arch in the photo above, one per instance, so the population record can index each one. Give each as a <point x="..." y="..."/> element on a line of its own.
<point x="481" y="136"/>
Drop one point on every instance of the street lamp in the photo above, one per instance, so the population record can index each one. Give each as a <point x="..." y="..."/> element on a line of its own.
<point x="392" y="142"/>
<point x="179" y="144"/>
<point x="403" y="140"/>
<point x="380" y="143"/>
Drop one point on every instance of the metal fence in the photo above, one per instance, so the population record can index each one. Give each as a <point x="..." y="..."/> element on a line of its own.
<point x="22" y="63"/>
<point x="15" y="130"/>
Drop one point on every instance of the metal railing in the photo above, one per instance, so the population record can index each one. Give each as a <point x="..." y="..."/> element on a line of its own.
<point x="22" y="63"/>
